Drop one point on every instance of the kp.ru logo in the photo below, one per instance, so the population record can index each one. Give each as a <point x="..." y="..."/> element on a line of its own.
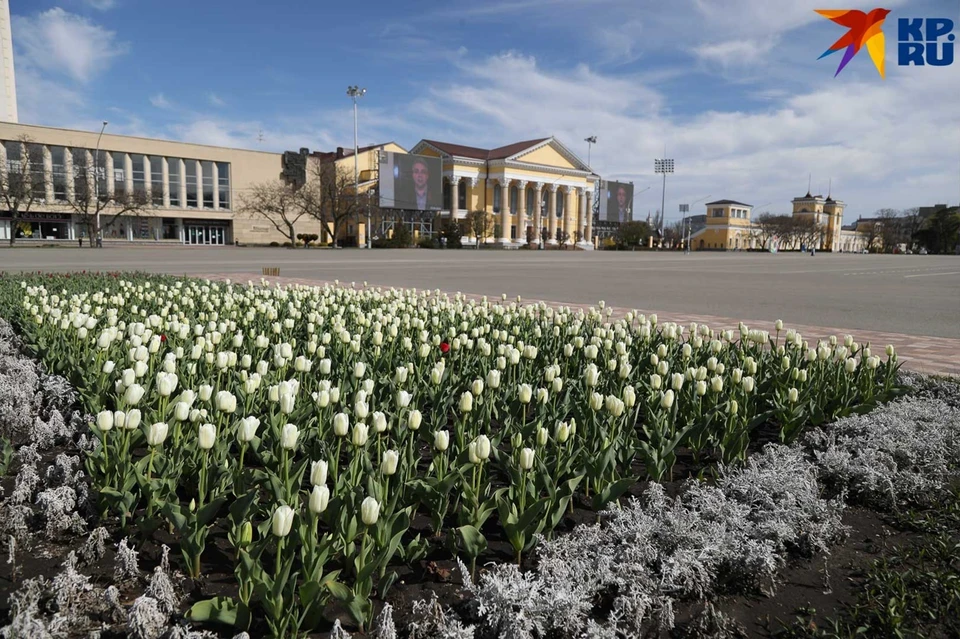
<point x="918" y="38"/>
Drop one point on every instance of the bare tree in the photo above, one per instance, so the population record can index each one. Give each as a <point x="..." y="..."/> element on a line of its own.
<point x="92" y="201"/>
<point x="911" y="224"/>
<point x="768" y="227"/>
<point x="479" y="224"/>
<point x="329" y="196"/>
<point x="18" y="191"/>
<point x="808" y="231"/>
<point x="279" y="204"/>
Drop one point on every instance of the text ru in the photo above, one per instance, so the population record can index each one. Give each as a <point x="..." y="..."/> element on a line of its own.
<point x="920" y="42"/>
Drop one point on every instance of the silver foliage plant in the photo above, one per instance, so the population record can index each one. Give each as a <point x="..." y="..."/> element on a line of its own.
<point x="903" y="453"/>
<point x="733" y="535"/>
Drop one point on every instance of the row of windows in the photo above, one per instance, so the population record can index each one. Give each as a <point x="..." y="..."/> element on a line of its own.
<point x="199" y="192"/>
<point x="742" y="214"/>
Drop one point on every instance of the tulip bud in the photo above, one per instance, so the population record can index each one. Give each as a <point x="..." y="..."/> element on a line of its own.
<point x="483" y="447"/>
<point x="206" y="436"/>
<point x="206" y="391"/>
<point x="246" y="534"/>
<point x="850" y="365"/>
<point x="779" y="325"/>
<point x="733" y="407"/>
<point x="288" y="436"/>
<point x="318" y="473"/>
<point x="319" y="499"/>
<point x="379" y="422"/>
<point x="716" y="384"/>
<point x="562" y="433"/>
<point x="477" y="387"/>
<point x="891" y="351"/>
<point x="543" y="395"/>
<point x="194" y="415"/>
<point x="248" y="429"/>
<point x="156" y="434"/>
<point x="369" y="511"/>
<point x="108" y="367"/>
<point x="793" y="395"/>
<point x="391" y="459"/>
<point x="701" y="388"/>
<point x="282" y="521"/>
<point x="361" y="410"/>
<point x="441" y="440"/>
<point x="666" y="400"/>
<point x="655" y="381"/>
<point x="133" y="394"/>
<point x="543" y="435"/>
<point x="596" y="401"/>
<point x="414" y="419"/>
<point x="226" y="402"/>
<point x="466" y="402"/>
<point x="341" y="424"/>
<point x="360" y="434"/>
<point x="403" y="398"/>
<point x="526" y="459"/>
<point x="105" y="420"/>
<point x="359" y="369"/>
<point x="629" y="397"/>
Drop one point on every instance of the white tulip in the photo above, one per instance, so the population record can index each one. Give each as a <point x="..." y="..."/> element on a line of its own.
<point x="206" y="436"/>
<point x="793" y="395"/>
<point x="360" y="434"/>
<point x="596" y="401"/>
<point x="526" y="459"/>
<point x="226" y="402"/>
<point x="716" y="384"/>
<point x="133" y="394"/>
<point x="414" y="419"/>
<point x="206" y="391"/>
<point x="319" y="499"/>
<point x="156" y="434"/>
<point x="289" y="435"/>
<point x="379" y="422"/>
<point x="483" y="447"/>
<point x="391" y="459"/>
<point x="666" y="400"/>
<point x="282" y="521"/>
<point x="341" y="424"/>
<point x="248" y="429"/>
<point x="655" y="381"/>
<point x="466" y="402"/>
<point x="369" y="511"/>
<point x="105" y="420"/>
<point x="441" y="440"/>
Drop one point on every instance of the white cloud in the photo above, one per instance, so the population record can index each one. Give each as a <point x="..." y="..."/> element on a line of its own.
<point x="880" y="144"/>
<point x="66" y="44"/>
<point x="160" y="101"/>
<point x="735" y="52"/>
<point x="216" y="100"/>
<point x="101" y="5"/>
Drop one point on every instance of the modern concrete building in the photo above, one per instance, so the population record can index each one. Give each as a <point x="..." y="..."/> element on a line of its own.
<point x="191" y="192"/>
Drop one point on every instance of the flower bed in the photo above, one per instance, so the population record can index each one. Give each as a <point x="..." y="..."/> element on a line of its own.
<point x="330" y="436"/>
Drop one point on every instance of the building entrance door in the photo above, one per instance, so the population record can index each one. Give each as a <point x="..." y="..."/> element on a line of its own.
<point x="206" y="235"/>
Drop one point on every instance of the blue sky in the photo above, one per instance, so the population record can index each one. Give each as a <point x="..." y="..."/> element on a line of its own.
<point x="732" y="88"/>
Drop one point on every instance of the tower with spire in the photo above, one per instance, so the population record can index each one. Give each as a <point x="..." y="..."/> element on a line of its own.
<point x="825" y="211"/>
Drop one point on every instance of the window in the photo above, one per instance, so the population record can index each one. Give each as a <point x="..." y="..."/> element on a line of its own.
<point x="13" y="156"/>
<point x="531" y="197"/>
<point x="207" y="168"/>
<point x="514" y="198"/>
<point x="717" y="212"/>
<point x="58" y="157"/>
<point x="139" y="178"/>
<point x="119" y="175"/>
<point x="223" y="170"/>
<point x="170" y="229"/>
<point x="561" y="199"/>
<point x="497" y="198"/>
<point x="173" y="178"/>
<point x="36" y="171"/>
<point x="80" y="172"/>
<point x="156" y="180"/>
<point x="446" y="195"/>
<point x="191" y="182"/>
<point x="462" y="197"/>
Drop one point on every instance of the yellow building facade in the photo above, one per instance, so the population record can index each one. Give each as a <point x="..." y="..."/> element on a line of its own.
<point x="728" y="227"/>
<point x="535" y="191"/>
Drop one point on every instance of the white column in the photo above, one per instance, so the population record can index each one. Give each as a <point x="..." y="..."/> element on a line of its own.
<point x="128" y="224"/>
<point x="454" y="196"/>
<point x="183" y="183"/>
<point x="108" y="172"/>
<point x="147" y="179"/>
<point x="47" y="174"/>
<point x="537" y="207"/>
<point x="584" y="208"/>
<point x="165" y="176"/>
<point x="552" y="214"/>
<point x="505" y="211"/>
<point x="570" y="214"/>
<point x="68" y="169"/>
<point x="521" y="212"/>
<point x="216" y="186"/>
<point x="127" y="175"/>
<point x="589" y="231"/>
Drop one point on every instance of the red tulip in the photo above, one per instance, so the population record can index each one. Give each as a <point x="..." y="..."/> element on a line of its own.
<point x="444" y="348"/>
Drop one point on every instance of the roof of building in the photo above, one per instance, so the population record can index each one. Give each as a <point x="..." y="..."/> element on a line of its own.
<point x="727" y="202"/>
<point x="484" y="154"/>
<point x="330" y="156"/>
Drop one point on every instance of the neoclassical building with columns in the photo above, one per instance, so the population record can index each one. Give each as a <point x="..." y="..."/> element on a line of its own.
<point x="535" y="191"/>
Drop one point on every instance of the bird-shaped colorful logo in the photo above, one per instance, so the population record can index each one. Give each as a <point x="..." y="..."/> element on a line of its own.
<point x="864" y="29"/>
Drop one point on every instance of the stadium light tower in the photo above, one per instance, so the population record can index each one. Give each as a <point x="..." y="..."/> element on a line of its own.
<point x="663" y="166"/>
<point x="356" y="93"/>
<point x="96" y="185"/>
<point x="590" y="142"/>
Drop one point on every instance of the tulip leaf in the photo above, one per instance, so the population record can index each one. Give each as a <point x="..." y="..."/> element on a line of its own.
<point x="612" y="492"/>
<point x="474" y="542"/>
<point x="223" y="610"/>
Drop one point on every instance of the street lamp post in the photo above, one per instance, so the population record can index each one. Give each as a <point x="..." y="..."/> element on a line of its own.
<point x="96" y="185"/>
<point x="663" y="166"/>
<point x="356" y="93"/>
<point x="684" y="209"/>
<point x="590" y="142"/>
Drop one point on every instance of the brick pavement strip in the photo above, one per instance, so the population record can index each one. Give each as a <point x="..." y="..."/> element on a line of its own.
<point x="921" y="353"/>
